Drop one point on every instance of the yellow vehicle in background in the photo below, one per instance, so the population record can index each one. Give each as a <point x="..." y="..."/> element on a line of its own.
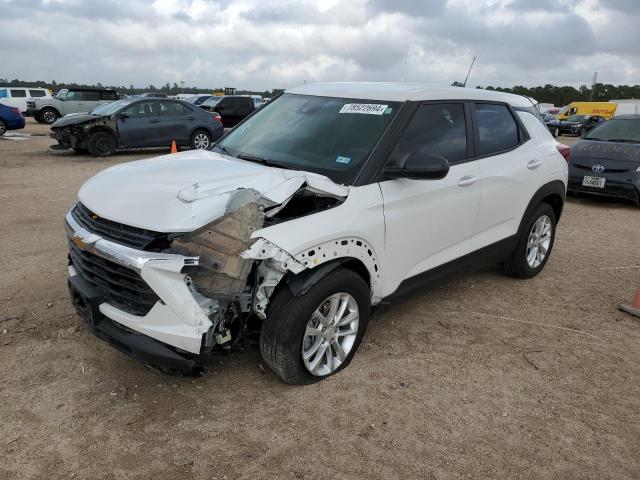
<point x="601" y="109"/>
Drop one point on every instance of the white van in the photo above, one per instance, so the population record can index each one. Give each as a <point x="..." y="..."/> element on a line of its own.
<point x="627" y="107"/>
<point x="18" y="96"/>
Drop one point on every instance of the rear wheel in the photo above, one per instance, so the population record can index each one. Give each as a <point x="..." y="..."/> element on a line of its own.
<point x="102" y="144"/>
<point x="200" y="140"/>
<point x="556" y="132"/>
<point x="310" y="337"/>
<point x="48" y="115"/>
<point x="534" y="245"/>
<point x="583" y="132"/>
<point x="3" y="127"/>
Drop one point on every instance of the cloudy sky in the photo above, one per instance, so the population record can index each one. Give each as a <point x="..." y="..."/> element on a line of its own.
<point x="264" y="44"/>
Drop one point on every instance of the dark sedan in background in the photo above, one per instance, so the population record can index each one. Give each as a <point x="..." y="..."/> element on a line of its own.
<point x="606" y="161"/>
<point x="136" y="123"/>
<point x="574" y="125"/>
<point x="232" y="108"/>
<point x="10" y="118"/>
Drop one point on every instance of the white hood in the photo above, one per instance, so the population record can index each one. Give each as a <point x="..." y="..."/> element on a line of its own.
<point x="185" y="191"/>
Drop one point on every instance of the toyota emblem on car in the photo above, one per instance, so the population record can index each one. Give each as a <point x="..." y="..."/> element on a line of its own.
<point x="598" y="168"/>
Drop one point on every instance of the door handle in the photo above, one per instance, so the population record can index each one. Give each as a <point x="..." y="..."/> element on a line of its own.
<point x="533" y="164"/>
<point x="155" y="120"/>
<point x="467" y="181"/>
<point x="190" y="118"/>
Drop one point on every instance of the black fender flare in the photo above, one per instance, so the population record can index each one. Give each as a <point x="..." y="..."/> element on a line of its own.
<point x="556" y="187"/>
<point x="299" y="284"/>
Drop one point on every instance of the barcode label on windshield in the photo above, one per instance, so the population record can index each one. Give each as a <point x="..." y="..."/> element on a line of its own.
<point x="366" y="108"/>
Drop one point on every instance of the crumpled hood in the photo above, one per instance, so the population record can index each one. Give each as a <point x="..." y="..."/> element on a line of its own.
<point x="185" y="191"/>
<point x="74" y="119"/>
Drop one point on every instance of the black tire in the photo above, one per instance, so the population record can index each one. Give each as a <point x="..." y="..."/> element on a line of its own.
<point x="283" y="330"/>
<point x="48" y="115"/>
<point x="200" y="140"/>
<point x="517" y="265"/>
<point x="556" y="132"/>
<point x="81" y="151"/>
<point x="3" y="127"/>
<point x="102" y="144"/>
<point x="583" y="132"/>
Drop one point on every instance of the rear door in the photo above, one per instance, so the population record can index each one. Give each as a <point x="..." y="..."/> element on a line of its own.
<point x="176" y="123"/>
<point x="140" y="125"/>
<point x="17" y="98"/>
<point x="512" y="168"/>
<point x="430" y="222"/>
<point x="228" y="110"/>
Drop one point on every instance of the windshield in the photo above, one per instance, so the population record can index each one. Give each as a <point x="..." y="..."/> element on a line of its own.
<point x="211" y="102"/>
<point x="576" y="118"/>
<point x="111" y="108"/>
<point x="326" y="135"/>
<point x="619" y="130"/>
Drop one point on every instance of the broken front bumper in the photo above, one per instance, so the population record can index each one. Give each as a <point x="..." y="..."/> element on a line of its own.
<point x="176" y="321"/>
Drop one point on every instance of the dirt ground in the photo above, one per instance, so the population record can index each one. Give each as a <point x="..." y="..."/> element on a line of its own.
<point x="450" y="384"/>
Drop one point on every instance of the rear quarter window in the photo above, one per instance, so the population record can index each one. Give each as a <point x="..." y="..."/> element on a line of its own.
<point x="497" y="129"/>
<point x="18" y="93"/>
<point x="37" y="93"/>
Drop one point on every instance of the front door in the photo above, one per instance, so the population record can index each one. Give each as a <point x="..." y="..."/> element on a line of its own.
<point x="430" y="222"/>
<point x="139" y="125"/>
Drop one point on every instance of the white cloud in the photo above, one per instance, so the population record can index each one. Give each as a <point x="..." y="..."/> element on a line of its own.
<point x="262" y="44"/>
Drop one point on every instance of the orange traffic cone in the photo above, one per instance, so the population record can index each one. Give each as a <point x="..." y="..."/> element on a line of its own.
<point x="174" y="149"/>
<point x="634" y="308"/>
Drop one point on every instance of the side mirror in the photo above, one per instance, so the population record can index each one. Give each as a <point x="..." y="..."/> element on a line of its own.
<point x="420" y="165"/>
<point x="123" y="115"/>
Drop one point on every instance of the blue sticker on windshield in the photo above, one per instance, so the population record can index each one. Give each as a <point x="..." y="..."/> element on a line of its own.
<point x="343" y="159"/>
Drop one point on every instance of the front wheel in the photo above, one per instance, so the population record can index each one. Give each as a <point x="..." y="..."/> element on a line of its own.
<point x="583" y="132"/>
<point x="534" y="245"/>
<point x="3" y="127"/>
<point x="102" y="144"/>
<point x="49" y="116"/>
<point x="200" y="140"/>
<point x="309" y="337"/>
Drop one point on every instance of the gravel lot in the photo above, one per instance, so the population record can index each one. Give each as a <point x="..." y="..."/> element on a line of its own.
<point x="450" y="384"/>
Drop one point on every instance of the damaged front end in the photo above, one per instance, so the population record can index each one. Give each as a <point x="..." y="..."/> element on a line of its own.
<point x="212" y="285"/>
<point x="73" y="131"/>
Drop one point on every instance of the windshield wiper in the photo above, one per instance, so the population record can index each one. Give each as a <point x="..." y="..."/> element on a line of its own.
<point x="622" y="140"/>
<point x="254" y="158"/>
<point x="223" y="148"/>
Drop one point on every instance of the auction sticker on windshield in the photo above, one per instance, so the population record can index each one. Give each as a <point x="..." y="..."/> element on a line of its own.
<point x="366" y="108"/>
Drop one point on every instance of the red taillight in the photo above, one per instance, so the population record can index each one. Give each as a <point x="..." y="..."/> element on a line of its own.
<point x="217" y="117"/>
<point x="564" y="150"/>
<point x="16" y="110"/>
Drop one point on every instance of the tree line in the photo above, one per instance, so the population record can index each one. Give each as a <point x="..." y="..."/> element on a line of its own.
<point x="559" y="96"/>
<point x="167" y="88"/>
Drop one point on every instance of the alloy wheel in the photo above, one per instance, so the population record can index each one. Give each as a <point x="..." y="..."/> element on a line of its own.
<point x="49" y="116"/>
<point x="330" y="334"/>
<point x="539" y="241"/>
<point x="201" y="141"/>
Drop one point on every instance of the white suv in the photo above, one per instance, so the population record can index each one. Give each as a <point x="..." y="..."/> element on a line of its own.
<point x="326" y="202"/>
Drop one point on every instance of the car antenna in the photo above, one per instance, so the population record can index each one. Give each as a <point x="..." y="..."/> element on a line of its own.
<point x="467" y="77"/>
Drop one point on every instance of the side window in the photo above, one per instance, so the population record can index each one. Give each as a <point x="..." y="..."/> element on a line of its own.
<point x="228" y="102"/>
<point x="37" y="93"/>
<point x="73" y="95"/>
<point x="108" y="95"/>
<point x="171" y="109"/>
<point x="18" y="93"/>
<point x="246" y="102"/>
<point x="497" y="129"/>
<point x="439" y="129"/>
<point x="89" y="96"/>
<point x="143" y="109"/>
